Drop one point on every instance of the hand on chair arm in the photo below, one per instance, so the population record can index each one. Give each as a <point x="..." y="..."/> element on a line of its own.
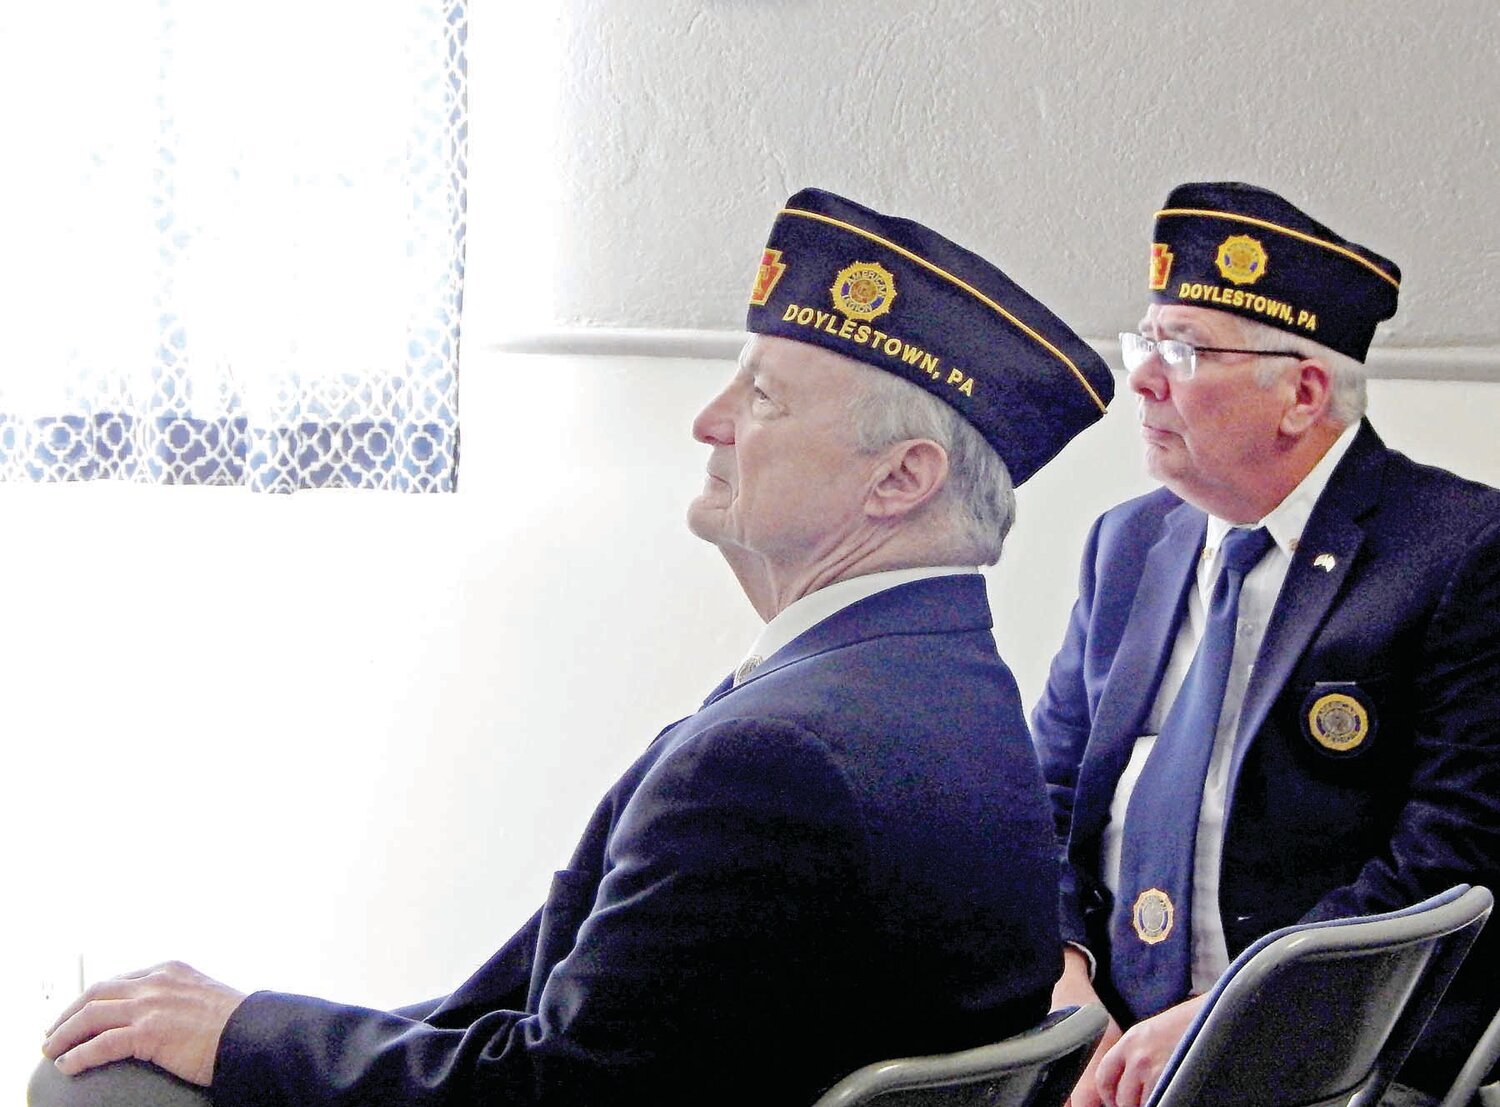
<point x="1129" y="1071"/>
<point x="1075" y="989"/>
<point x="170" y="1015"/>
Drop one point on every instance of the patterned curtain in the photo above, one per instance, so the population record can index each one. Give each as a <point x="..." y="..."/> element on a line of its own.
<point x="232" y="241"/>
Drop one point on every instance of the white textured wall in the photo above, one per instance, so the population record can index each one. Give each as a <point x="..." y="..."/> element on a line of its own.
<point x="1042" y="134"/>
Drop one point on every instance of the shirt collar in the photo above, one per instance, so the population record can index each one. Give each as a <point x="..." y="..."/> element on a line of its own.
<point x="1288" y="519"/>
<point x="805" y="613"/>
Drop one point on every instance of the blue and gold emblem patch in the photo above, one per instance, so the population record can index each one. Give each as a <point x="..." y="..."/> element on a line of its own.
<point x="1338" y="719"/>
<point x="864" y="290"/>
<point x="1161" y="266"/>
<point x="771" y="269"/>
<point x="1152" y="916"/>
<point x="1241" y="259"/>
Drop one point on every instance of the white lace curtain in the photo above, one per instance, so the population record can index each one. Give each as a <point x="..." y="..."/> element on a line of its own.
<point x="232" y="241"/>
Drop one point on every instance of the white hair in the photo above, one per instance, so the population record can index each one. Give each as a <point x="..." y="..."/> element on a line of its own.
<point x="978" y="494"/>
<point x="1346" y="376"/>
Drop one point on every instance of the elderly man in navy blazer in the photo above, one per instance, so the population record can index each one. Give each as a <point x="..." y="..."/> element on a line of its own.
<point x="1278" y="698"/>
<point x="846" y="853"/>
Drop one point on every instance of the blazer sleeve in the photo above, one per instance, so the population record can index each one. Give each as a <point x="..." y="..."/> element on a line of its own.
<point x="726" y="879"/>
<point x="1448" y="830"/>
<point x="1060" y="726"/>
<point x="420" y="1010"/>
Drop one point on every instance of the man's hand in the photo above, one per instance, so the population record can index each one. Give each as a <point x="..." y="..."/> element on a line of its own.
<point x="169" y="1015"/>
<point x="1074" y="989"/>
<point x="1129" y="1071"/>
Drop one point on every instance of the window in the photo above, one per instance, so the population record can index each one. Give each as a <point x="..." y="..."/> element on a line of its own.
<point x="234" y="242"/>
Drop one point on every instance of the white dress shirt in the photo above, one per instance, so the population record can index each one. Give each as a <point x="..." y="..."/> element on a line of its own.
<point x="805" y="613"/>
<point x="1286" y="523"/>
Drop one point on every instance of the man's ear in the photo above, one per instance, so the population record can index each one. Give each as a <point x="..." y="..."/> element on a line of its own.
<point x="910" y="474"/>
<point x="1311" y="398"/>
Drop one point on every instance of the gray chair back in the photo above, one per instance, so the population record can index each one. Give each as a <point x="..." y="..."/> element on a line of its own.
<point x="1476" y="1068"/>
<point x="1323" y="1013"/>
<point x="1034" y="1069"/>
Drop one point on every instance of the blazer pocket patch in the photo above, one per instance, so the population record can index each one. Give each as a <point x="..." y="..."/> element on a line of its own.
<point x="1338" y="719"/>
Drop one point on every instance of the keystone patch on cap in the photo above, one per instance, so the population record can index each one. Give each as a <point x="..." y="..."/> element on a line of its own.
<point x="898" y="296"/>
<point x="1242" y="249"/>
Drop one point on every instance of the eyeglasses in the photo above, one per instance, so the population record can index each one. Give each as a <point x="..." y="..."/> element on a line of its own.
<point x="1180" y="358"/>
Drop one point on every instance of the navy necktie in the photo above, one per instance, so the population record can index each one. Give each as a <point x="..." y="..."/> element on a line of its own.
<point x="1151" y="925"/>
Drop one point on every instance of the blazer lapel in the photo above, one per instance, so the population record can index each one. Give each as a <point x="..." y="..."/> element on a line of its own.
<point x="1146" y="643"/>
<point x="1325" y="554"/>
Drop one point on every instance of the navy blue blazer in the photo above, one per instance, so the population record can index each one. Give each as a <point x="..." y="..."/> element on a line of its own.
<point x="1403" y="616"/>
<point x="849" y="857"/>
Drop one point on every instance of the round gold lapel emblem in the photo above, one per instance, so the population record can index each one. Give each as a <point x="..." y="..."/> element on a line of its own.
<point x="1152" y="916"/>
<point x="1338" y="722"/>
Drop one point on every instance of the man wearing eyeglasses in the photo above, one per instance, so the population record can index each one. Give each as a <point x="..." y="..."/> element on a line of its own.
<point x="1278" y="698"/>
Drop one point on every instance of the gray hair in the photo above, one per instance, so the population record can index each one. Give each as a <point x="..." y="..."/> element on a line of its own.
<point x="1346" y="376"/>
<point x="978" y="495"/>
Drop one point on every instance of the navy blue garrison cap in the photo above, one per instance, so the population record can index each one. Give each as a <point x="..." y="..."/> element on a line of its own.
<point x="900" y="297"/>
<point x="1242" y="249"/>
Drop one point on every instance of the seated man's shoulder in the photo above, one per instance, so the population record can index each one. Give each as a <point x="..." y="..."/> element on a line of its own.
<point x="1139" y="519"/>
<point x="910" y="707"/>
<point x="907" y="689"/>
<point x="1431" y="495"/>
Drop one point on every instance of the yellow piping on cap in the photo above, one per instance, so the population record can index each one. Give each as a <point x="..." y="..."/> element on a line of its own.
<point x="970" y="289"/>
<point x="1334" y="246"/>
